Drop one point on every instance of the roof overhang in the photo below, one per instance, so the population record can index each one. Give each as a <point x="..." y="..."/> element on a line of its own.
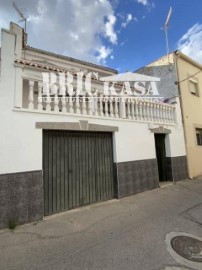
<point x="188" y="59"/>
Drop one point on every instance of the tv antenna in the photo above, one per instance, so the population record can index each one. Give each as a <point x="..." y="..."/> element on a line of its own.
<point x="21" y="14"/>
<point x="165" y="28"/>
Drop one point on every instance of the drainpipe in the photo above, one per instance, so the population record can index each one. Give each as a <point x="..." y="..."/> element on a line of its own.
<point x="176" y="56"/>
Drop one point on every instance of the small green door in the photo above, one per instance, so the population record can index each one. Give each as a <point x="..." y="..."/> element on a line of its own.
<point x="77" y="169"/>
<point x="161" y="156"/>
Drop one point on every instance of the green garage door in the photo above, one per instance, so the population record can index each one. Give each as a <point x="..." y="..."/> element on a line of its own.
<point x="77" y="169"/>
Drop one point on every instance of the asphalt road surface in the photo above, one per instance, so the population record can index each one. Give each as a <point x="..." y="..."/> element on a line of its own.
<point x="120" y="234"/>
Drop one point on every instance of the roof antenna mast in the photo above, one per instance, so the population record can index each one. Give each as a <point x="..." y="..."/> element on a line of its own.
<point x="21" y="14"/>
<point x="23" y="18"/>
<point x="166" y="31"/>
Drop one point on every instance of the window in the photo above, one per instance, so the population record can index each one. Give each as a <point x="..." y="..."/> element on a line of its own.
<point x="199" y="136"/>
<point x="193" y="87"/>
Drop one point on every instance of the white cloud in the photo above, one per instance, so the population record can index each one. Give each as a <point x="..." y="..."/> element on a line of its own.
<point x="144" y="2"/>
<point x="128" y="19"/>
<point x="109" y="29"/>
<point x="124" y="42"/>
<point x="191" y="42"/>
<point x="75" y="28"/>
<point x="148" y="4"/>
<point x="103" y="53"/>
<point x="74" y="36"/>
<point x="135" y="19"/>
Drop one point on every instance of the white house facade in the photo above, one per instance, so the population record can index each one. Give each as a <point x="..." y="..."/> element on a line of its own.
<point x="69" y="151"/>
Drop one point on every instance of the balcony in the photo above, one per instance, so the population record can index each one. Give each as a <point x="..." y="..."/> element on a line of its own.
<point x="99" y="106"/>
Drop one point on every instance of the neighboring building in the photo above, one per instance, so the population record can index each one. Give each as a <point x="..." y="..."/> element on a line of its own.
<point x="181" y="75"/>
<point x="72" y="151"/>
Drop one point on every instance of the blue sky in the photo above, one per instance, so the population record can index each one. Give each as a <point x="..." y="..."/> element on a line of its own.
<point x="122" y="34"/>
<point x="144" y="40"/>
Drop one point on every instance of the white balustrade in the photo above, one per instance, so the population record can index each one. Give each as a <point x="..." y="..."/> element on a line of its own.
<point x="64" y="105"/>
<point x="144" y="111"/>
<point x="136" y="110"/>
<point x="151" y="112"/>
<point x="116" y="109"/>
<point x="101" y="106"/>
<point x="40" y="106"/>
<point x="56" y="103"/>
<point x="31" y="95"/>
<point x="147" y="111"/>
<point x="90" y="105"/>
<point x="106" y="106"/>
<point x="167" y="114"/>
<point x="71" y="108"/>
<point x="83" y="106"/>
<point x="140" y="110"/>
<point x="95" y="106"/>
<point x="77" y="105"/>
<point x="130" y="108"/>
<point x="111" y="107"/>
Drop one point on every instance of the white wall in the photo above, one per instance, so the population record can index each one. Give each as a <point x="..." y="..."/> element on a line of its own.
<point x="21" y="142"/>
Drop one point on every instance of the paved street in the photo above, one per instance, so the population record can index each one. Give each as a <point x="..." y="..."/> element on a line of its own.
<point x="120" y="234"/>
